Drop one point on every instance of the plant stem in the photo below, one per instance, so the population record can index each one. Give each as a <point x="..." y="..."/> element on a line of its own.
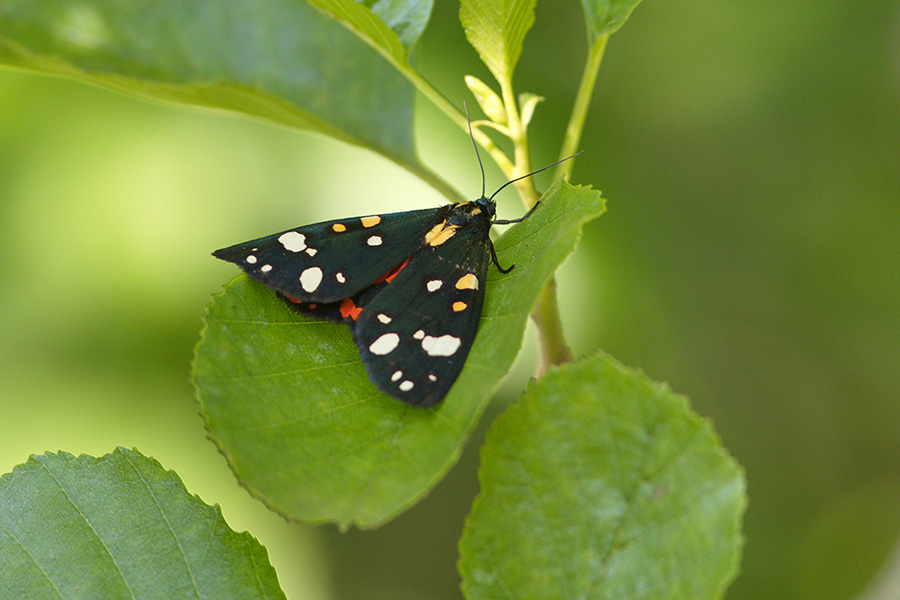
<point x="554" y="350"/>
<point x="434" y="180"/>
<point x="519" y="136"/>
<point x="580" y="108"/>
<point x="448" y="108"/>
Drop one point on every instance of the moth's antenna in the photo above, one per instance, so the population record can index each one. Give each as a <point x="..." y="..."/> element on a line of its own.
<point x="529" y="175"/>
<point x="481" y="166"/>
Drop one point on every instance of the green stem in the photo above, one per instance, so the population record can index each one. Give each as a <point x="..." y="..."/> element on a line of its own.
<point x="434" y="180"/>
<point x="554" y="350"/>
<point x="519" y="136"/>
<point x="580" y="108"/>
<point x="441" y="102"/>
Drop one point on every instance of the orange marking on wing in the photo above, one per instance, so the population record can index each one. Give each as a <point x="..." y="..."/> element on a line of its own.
<point x="349" y="309"/>
<point x="392" y="273"/>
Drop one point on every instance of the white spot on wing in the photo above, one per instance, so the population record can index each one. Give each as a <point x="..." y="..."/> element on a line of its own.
<point x="311" y="251"/>
<point x="385" y="344"/>
<point x="310" y="279"/>
<point x="446" y="345"/>
<point x="265" y="268"/>
<point x="340" y="277"/>
<point x="431" y="377"/>
<point x="419" y="334"/>
<point x="293" y="241"/>
<point x="384" y="318"/>
<point x="397" y="375"/>
<point x="406" y="386"/>
<point x="375" y="240"/>
<point x="251" y="260"/>
<point x="434" y="285"/>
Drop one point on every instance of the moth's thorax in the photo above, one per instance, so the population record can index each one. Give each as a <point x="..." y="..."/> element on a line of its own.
<point x="480" y="211"/>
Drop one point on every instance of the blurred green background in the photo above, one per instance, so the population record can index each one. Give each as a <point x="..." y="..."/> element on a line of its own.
<point x="750" y="153"/>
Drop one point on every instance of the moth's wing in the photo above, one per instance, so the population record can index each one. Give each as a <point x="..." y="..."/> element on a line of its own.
<point x="327" y="262"/>
<point x="415" y="334"/>
<point x="342" y="311"/>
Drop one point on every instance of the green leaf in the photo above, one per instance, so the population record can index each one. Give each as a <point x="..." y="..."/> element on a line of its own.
<point x="119" y="526"/>
<point x="406" y="18"/>
<point x="392" y="26"/>
<point x="288" y="402"/>
<point x="604" y="17"/>
<point x="600" y="483"/>
<point x="496" y="29"/>
<point x="389" y="26"/>
<point x="487" y="99"/>
<point x="527" y="104"/>
<point x="279" y="60"/>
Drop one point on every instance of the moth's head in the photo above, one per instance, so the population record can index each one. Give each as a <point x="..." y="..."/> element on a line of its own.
<point x="487" y="206"/>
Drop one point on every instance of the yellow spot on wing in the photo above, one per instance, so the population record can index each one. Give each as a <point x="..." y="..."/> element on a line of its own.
<point x="444" y="236"/>
<point x="339" y="228"/>
<point x="459" y="306"/>
<point x="370" y="221"/>
<point x="434" y="232"/>
<point x="440" y="233"/>
<point x="467" y="282"/>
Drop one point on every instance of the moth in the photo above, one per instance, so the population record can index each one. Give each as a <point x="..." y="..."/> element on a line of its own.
<point x="409" y="284"/>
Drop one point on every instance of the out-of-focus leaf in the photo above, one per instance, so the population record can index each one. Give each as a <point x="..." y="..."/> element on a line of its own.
<point x="406" y="18"/>
<point x="599" y="483"/>
<point x="288" y="402"/>
<point x="606" y="16"/>
<point x="392" y="26"/>
<point x="279" y="60"/>
<point x="119" y="526"/>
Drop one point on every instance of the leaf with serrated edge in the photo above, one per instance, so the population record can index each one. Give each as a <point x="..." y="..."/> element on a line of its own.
<point x="119" y="526"/>
<point x="600" y="483"/>
<point x="496" y="29"/>
<point x="288" y="403"/>
<point x="281" y="60"/>
<point x="606" y="16"/>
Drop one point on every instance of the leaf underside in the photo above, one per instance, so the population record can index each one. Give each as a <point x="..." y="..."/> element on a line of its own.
<point x="281" y="60"/>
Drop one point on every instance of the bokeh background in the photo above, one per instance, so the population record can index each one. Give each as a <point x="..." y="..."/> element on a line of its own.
<point x="750" y="153"/>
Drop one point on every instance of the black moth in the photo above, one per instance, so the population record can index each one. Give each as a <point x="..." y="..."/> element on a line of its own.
<point x="410" y="285"/>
